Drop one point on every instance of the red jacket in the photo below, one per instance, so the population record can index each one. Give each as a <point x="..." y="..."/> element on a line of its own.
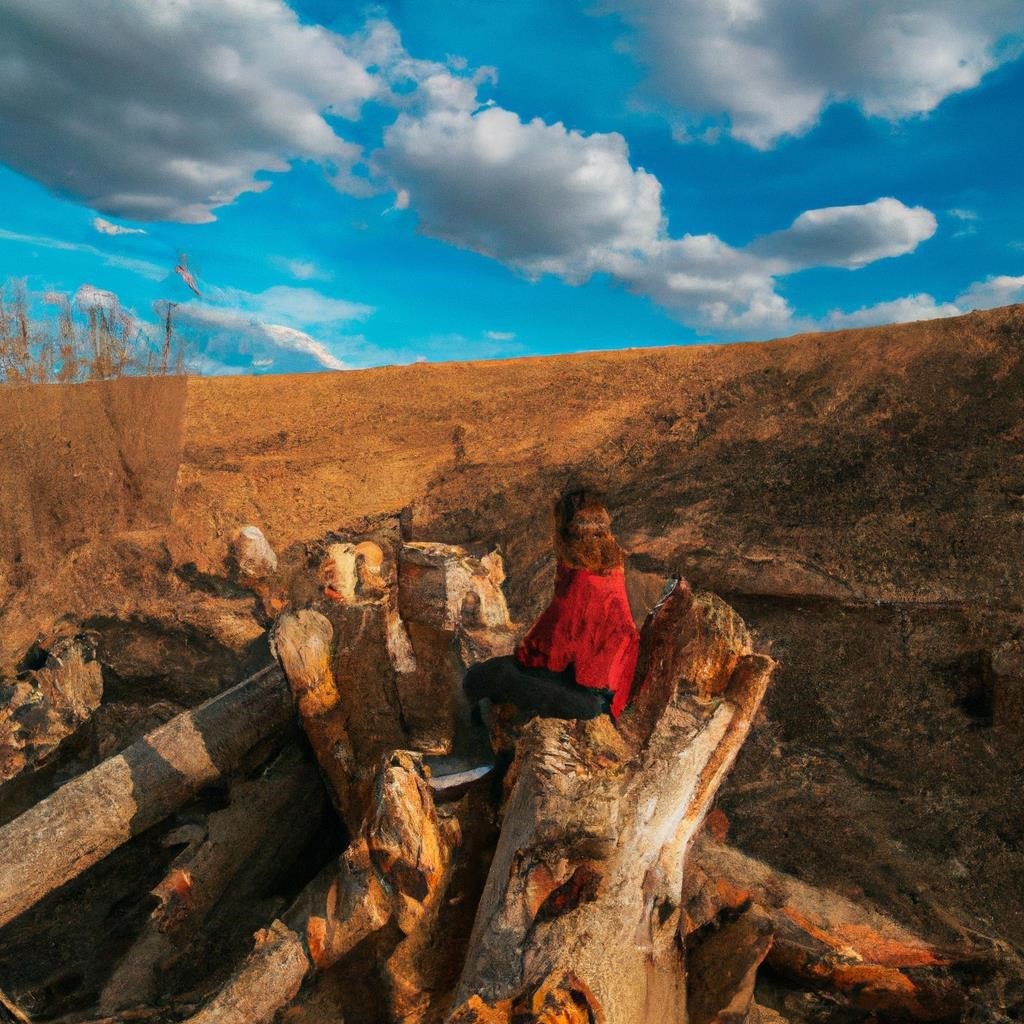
<point x="588" y="624"/>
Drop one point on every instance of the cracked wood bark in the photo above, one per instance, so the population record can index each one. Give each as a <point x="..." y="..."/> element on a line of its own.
<point x="395" y="871"/>
<point x="240" y="836"/>
<point x="579" y="917"/>
<point x="95" y="813"/>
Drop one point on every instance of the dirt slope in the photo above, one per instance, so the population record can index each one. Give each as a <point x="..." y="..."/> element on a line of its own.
<point x="881" y="463"/>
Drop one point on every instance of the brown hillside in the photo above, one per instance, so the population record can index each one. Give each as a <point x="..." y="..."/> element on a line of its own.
<point x="878" y="464"/>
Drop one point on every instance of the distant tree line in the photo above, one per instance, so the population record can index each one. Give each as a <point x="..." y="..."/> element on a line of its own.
<point x="91" y="337"/>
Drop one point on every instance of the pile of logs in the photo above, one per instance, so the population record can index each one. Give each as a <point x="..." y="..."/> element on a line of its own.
<point x="581" y="888"/>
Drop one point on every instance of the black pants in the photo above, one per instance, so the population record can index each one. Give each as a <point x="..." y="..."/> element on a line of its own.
<point x="535" y="691"/>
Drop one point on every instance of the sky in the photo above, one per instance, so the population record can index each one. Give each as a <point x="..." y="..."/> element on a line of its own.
<point x="424" y="180"/>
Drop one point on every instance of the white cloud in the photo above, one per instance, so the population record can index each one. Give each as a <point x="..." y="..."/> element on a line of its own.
<point x="708" y="284"/>
<point x="158" y="111"/>
<point x="848" y="236"/>
<point x="772" y="66"/>
<point x="301" y="270"/>
<point x="296" y="306"/>
<point x="143" y="268"/>
<point x="539" y="197"/>
<point x="543" y="198"/>
<point x="501" y="335"/>
<point x="1000" y="290"/>
<point x="105" y="227"/>
<point x="897" y="311"/>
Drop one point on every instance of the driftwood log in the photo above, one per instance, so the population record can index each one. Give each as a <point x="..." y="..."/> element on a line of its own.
<point x="87" y="818"/>
<point x="579" y="918"/>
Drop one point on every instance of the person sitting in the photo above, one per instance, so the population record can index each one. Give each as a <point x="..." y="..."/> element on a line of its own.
<point x="578" y="658"/>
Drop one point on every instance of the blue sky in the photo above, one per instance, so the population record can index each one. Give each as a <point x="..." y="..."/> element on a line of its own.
<point x="454" y="180"/>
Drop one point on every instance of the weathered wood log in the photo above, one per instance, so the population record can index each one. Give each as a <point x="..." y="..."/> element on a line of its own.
<point x="87" y="818"/>
<point x="286" y="797"/>
<point x="395" y="871"/>
<point x="582" y="903"/>
<point x="380" y="668"/>
<point x="271" y="978"/>
<point x="829" y="943"/>
<point x="721" y="968"/>
<point x="302" y="643"/>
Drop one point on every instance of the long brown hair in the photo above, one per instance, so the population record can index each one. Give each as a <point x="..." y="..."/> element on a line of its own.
<point x="583" y="534"/>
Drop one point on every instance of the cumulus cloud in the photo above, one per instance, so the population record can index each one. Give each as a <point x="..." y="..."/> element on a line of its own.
<point x="539" y="197"/>
<point x="999" y="290"/>
<point x="546" y="199"/>
<point x="156" y="111"/>
<point x="847" y="236"/>
<point x="284" y="329"/>
<point x="708" y="284"/>
<point x="772" y="66"/>
<point x="105" y="227"/>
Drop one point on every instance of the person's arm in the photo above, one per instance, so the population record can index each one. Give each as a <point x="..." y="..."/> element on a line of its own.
<point x="541" y="646"/>
<point x="624" y="668"/>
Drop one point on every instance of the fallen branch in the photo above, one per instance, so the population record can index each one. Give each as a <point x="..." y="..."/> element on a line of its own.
<point x="95" y="813"/>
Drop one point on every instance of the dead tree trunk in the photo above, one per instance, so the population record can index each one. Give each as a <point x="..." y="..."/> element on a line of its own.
<point x="582" y="904"/>
<point x="87" y="818"/>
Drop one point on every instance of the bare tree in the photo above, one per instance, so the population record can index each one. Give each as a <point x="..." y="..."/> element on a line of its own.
<point x="93" y="338"/>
